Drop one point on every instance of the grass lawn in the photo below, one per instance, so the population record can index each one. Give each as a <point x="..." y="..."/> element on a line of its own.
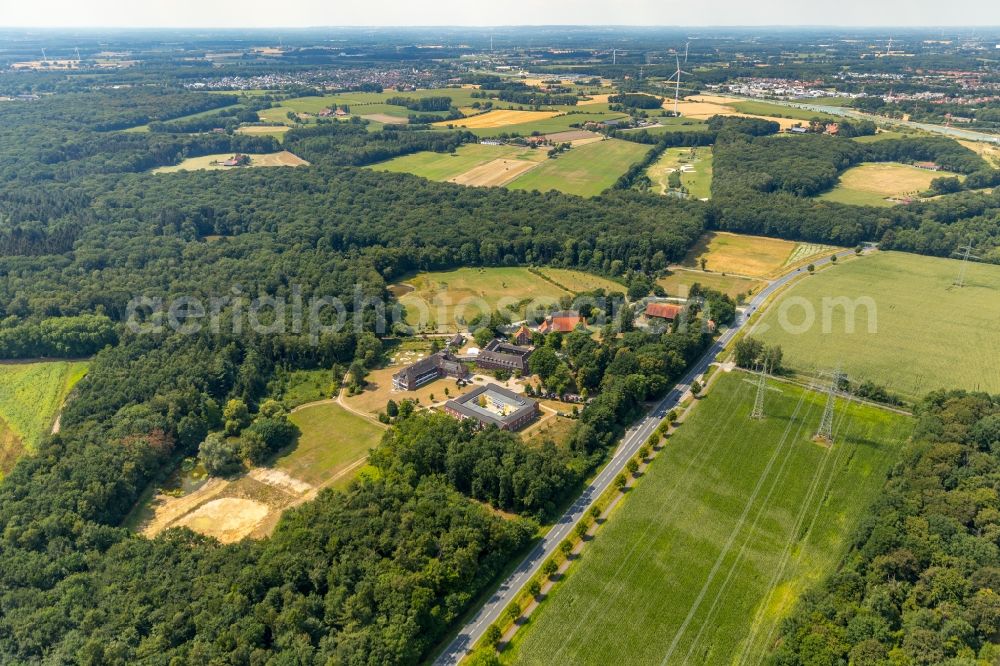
<point x="332" y="440"/>
<point x="873" y="183"/>
<point x="302" y="386"/>
<point x="585" y="171"/>
<point x="671" y="124"/>
<point x="379" y="390"/>
<point x="751" y="256"/>
<point x="31" y="395"/>
<point x="209" y="162"/>
<point x="881" y="136"/>
<point x="444" y="300"/>
<point x="728" y="527"/>
<point x="446" y="166"/>
<point x="679" y="282"/>
<point x="578" y="281"/>
<point x="929" y="334"/>
<point x="698" y="183"/>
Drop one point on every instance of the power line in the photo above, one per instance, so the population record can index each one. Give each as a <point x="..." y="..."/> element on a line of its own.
<point x="758" y="403"/>
<point x="825" y="432"/>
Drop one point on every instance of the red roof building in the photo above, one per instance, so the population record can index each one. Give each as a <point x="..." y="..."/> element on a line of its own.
<point x="522" y="336"/>
<point x="562" y="322"/>
<point x="667" y="311"/>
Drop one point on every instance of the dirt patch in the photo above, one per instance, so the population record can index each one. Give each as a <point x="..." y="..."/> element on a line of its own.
<point x="227" y="519"/>
<point x="572" y="135"/>
<point x="386" y="119"/>
<point x="284" y="158"/>
<point x="280" y="479"/>
<point x="495" y="173"/>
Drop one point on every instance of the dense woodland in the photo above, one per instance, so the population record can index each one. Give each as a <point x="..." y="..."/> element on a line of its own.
<point x="920" y="583"/>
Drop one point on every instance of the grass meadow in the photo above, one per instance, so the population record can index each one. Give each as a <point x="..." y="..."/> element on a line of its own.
<point x="585" y="170"/>
<point x="31" y="395"/>
<point x="679" y="283"/>
<point x="731" y="523"/>
<point x="875" y="183"/>
<point x="928" y="334"/>
<point x="446" y="166"/>
<point x="332" y="440"/>
<point x="210" y="162"/>
<point x="456" y="296"/>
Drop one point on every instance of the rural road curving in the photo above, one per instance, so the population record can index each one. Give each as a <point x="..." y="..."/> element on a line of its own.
<point x="634" y="438"/>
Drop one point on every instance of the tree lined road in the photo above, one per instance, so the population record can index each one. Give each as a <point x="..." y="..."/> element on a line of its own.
<point x="634" y="438"/>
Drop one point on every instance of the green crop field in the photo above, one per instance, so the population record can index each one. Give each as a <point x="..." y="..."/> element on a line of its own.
<point x="698" y="182"/>
<point x="585" y="170"/>
<point x="332" y="440"/>
<point x="445" y="166"/>
<point x="928" y="334"/>
<point x="31" y="395"/>
<point x="727" y="528"/>
<point x="443" y="300"/>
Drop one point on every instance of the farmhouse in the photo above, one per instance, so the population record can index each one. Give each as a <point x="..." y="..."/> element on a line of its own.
<point x="522" y="336"/>
<point x="562" y="322"/>
<point x="500" y="355"/>
<point x="494" y="405"/>
<point x="667" y="311"/>
<point x="435" y="366"/>
<point x="929" y="166"/>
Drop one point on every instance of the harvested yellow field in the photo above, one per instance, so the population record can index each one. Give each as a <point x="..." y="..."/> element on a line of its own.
<point x="499" y="118"/>
<point x="263" y="129"/>
<point x="213" y="162"/>
<point x="989" y="152"/>
<point x="888" y="178"/>
<point x="495" y="173"/>
<point x="594" y="99"/>
<point x="702" y="107"/>
<point x="749" y="256"/>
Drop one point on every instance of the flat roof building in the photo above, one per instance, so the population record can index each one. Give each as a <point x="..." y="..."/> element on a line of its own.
<point x="494" y="405"/>
<point x="424" y="371"/>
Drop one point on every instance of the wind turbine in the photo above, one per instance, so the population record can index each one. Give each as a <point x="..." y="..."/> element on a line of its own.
<point x="677" y="83"/>
<point x="686" y="52"/>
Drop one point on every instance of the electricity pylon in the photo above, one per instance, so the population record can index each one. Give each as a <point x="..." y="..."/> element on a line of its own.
<point x="825" y="432"/>
<point x="758" y="402"/>
<point x="965" y="253"/>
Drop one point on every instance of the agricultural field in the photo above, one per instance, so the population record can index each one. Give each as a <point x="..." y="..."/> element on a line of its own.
<point x="732" y="522"/>
<point x="925" y="333"/>
<point x="988" y="151"/>
<point x="31" y="396"/>
<point x="757" y="108"/>
<point x="330" y="452"/>
<point x="470" y="164"/>
<point x="882" y="135"/>
<point x="680" y="280"/>
<point x="585" y="170"/>
<point x="578" y="281"/>
<point x="446" y="300"/>
<point x="498" y="118"/>
<point x="697" y="181"/>
<point x="210" y="162"/>
<point x="277" y="131"/>
<point x="671" y="124"/>
<point x="703" y="107"/>
<point x="563" y="122"/>
<point x="880" y="183"/>
<point x="750" y="256"/>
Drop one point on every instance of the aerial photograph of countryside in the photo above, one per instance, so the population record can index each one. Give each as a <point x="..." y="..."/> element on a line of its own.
<point x="516" y="334"/>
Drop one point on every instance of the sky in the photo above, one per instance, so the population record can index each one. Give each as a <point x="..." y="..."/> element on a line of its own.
<point x="307" y="13"/>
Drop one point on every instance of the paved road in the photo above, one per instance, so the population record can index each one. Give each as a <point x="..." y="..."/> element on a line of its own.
<point x="630" y="445"/>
